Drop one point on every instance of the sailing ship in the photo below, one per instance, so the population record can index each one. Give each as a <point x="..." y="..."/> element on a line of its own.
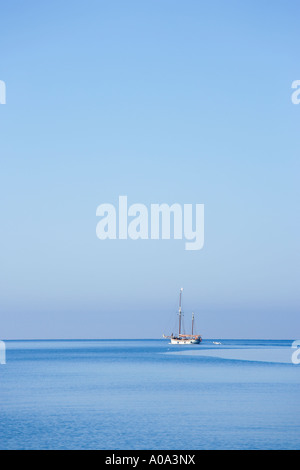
<point x="183" y="338"/>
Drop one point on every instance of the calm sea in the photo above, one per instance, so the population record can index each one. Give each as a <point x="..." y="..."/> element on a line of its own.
<point x="147" y="394"/>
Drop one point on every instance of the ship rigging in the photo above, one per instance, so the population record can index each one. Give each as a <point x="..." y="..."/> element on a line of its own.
<point x="183" y="338"/>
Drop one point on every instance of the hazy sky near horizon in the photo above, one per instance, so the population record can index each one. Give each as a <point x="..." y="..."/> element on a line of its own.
<point x="165" y="102"/>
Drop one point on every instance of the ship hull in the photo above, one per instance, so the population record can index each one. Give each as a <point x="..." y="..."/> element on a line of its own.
<point x="185" y="341"/>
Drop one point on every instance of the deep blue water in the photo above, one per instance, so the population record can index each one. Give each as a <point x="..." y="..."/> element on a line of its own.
<point x="147" y="394"/>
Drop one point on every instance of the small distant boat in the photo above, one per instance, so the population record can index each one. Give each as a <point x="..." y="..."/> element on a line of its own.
<point x="216" y="342"/>
<point x="183" y="338"/>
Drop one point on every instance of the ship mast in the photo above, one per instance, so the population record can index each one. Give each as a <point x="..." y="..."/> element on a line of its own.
<point x="181" y="290"/>
<point x="193" y="319"/>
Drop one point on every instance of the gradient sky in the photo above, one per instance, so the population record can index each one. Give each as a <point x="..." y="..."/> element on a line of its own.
<point x="164" y="101"/>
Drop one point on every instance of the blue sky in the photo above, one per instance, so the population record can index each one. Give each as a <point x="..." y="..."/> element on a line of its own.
<point x="163" y="101"/>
